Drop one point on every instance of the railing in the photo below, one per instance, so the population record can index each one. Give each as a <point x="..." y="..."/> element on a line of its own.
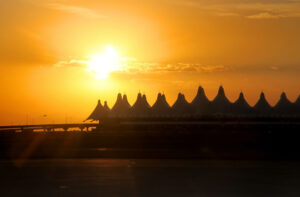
<point x="50" y="127"/>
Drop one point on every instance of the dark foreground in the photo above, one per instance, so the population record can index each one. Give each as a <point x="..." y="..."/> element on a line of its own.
<point x="160" y="140"/>
<point x="115" y="177"/>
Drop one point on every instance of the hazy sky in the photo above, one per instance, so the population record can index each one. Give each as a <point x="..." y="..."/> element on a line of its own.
<point x="167" y="46"/>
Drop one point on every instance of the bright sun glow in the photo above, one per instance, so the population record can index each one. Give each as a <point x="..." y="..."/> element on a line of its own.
<point x="103" y="64"/>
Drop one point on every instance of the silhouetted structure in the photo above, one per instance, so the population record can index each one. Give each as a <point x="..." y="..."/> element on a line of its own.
<point x="141" y="107"/>
<point x="200" y="107"/>
<point x="161" y="108"/>
<point x="181" y="107"/>
<point x="240" y="107"/>
<point x="284" y="107"/>
<point x="121" y="107"/>
<point x="221" y="105"/>
<point x="262" y="107"/>
<point x="100" y="112"/>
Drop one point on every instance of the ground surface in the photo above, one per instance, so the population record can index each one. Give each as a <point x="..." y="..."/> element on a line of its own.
<point x="115" y="177"/>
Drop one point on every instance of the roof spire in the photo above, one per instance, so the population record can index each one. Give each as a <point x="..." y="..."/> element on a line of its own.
<point x="99" y="112"/>
<point x="262" y="105"/>
<point x="283" y="95"/>
<point x="221" y="90"/>
<point x="181" y="106"/>
<point x="106" y="106"/>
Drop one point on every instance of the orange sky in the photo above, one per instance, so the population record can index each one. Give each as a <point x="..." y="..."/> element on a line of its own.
<point x="167" y="46"/>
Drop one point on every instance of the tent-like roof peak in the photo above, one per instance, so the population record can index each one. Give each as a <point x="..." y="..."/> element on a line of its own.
<point x="161" y="101"/>
<point x="221" y="91"/>
<point x="181" y="106"/>
<point x="241" y="102"/>
<point x="181" y="97"/>
<point x="161" y="106"/>
<point x="283" y="95"/>
<point x="283" y="101"/>
<point x="200" y="97"/>
<point x="141" y="101"/>
<point x="221" y="97"/>
<point x="106" y="106"/>
<point x="118" y="102"/>
<point x="125" y="101"/>
<point x="262" y="103"/>
<point x="144" y="100"/>
<point x="241" y="97"/>
<point x="99" y="112"/>
<point x="283" y="98"/>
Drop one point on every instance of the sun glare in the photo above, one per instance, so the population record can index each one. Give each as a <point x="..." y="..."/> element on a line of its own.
<point x="103" y="64"/>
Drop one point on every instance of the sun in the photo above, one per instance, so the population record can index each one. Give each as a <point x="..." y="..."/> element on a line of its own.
<point x="101" y="65"/>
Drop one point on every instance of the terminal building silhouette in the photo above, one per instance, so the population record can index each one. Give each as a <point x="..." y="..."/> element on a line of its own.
<point x="200" y="107"/>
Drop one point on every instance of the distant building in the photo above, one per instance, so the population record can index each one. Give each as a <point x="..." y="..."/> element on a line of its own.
<point x="262" y="107"/>
<point x="181" y="108"/>
<point x="200" y="107"/>
<point x="284" y="107"/>
<point x="140" y="108"/>
<point x="200" y="104"/>
<point x="121" y="107"/>
<point x="161" y="108"/>
<point x="100" y="112"/>
<point x="221" y="105"/>
<point x="241" y="107"/>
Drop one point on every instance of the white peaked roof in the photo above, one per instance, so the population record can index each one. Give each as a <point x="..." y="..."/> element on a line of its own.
<point x="105" y="107"/>
<point x="221" y="104"/>
<point x="161" y="106"/>
<point x="125" y="102"/>
<point x="181" y="106"/>
<point x="144" y="101"/>
<point x="200" y="97"/>
<point x="138" y="101"/>
<point x="141" y="106"/>
<point x="262" y="104"/>
<point x="201" y="104"/>
<point x="199" y="107"/>
<point x="118" y="104"/>
<point x="283" y="102"/>
<point x="241" y="106"/>
<point x="99" y="112"/>
<point x="283" y="105"/>
<point x="125" y="107"/>
<point x="221" y="97"/>
<point x="121" y="107"/>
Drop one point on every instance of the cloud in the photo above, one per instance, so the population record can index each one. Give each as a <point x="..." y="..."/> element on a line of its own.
<point x="148" y="67"/>
<point x="71" y="63"/>
<point x="132" y="66"/>
<point x="274" y="68"/>
<point x="215" y="68"/>
<point x="256" y="9"/>
<point x="264" y="15"/>
<point x="134" y="69"/>
<point x="81" y="11"/>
